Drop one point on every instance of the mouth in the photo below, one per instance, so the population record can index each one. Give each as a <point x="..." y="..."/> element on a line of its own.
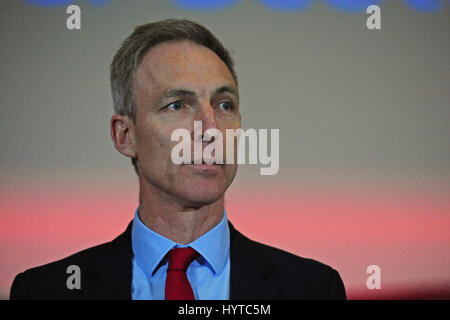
<point x="211" y="165"/>
<point x="206" y="162"/>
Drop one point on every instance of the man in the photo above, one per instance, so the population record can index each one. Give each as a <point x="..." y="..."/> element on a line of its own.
<point x="180" y="245"/>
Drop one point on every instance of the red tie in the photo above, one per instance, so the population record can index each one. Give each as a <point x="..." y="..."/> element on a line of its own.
<point x="177" y="284"/>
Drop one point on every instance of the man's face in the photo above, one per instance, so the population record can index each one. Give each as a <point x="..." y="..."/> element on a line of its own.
<point x="176" y="84"/>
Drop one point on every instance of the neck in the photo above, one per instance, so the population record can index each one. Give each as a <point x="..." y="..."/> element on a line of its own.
<point x="175" y="220"/>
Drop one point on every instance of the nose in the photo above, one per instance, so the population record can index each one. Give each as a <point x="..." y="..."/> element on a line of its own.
<point x="207" y="116"/>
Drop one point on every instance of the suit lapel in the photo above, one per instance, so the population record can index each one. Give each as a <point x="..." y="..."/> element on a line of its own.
<point x="251" y="274"/>
<point x="109" y="276"/>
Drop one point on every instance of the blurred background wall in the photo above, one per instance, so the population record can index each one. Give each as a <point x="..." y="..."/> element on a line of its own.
<point x="363" y="115"/>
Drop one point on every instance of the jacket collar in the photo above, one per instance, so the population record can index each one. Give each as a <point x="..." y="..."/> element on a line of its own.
<point x="110" y="274"/>
<point x="251" y="275"/>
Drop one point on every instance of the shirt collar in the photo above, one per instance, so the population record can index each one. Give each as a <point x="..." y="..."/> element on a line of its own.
<point x="150" y="248"/>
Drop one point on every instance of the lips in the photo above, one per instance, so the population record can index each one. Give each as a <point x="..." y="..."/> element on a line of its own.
<point x="204" y="164"/>
<point x="207" y="161"/>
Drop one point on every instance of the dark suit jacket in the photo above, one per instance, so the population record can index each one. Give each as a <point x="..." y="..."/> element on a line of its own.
<point x="257" y="272"/>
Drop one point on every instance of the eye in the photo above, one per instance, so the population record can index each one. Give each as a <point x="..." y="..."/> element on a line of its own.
<point x="226" y="106"/>
<point x="175" y="106"/>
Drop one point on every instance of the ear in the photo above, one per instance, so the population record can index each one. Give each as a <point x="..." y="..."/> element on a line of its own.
<point x="122" y="134"/>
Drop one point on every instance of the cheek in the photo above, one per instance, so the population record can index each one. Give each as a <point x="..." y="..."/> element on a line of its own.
<point x="152" y="143"/>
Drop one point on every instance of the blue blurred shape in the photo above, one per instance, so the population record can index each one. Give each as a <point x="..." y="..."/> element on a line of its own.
<point x="352" y="5"/>
<point x="205" y="5"/>
<point x="425" y="5"/>
<point x="55" y="3"/>
<point x="99" y="2"/>
<point x="287" y="5"/>
<point x="50" y="3"/>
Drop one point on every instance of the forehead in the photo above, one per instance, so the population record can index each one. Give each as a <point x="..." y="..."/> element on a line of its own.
<point x="181" y="64"/>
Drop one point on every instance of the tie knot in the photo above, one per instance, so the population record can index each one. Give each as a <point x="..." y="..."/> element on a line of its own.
<point x="181" y="258"/>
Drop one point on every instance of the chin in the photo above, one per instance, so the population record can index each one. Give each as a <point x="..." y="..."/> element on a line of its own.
<point x="202" y="187"/>
<point x="191" y="186"/>
<point x="202" y="196"/>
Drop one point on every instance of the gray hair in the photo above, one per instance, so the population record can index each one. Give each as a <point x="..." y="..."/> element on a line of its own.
<point x="132" y="50"/>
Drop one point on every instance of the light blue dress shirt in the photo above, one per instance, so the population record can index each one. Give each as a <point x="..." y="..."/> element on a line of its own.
<point x="209" y="275"/>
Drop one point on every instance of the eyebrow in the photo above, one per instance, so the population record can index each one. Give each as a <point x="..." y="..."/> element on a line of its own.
<point x="226" y="89"/>
<point x="178" y="92"/>
<point x="173" y="93"/>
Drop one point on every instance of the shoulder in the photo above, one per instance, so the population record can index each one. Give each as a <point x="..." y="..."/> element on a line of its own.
<point x="49" y="281"/>
<point x="322" y="280"/>
<point x="295" y="276"/>
<point x="287" y="262"/>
